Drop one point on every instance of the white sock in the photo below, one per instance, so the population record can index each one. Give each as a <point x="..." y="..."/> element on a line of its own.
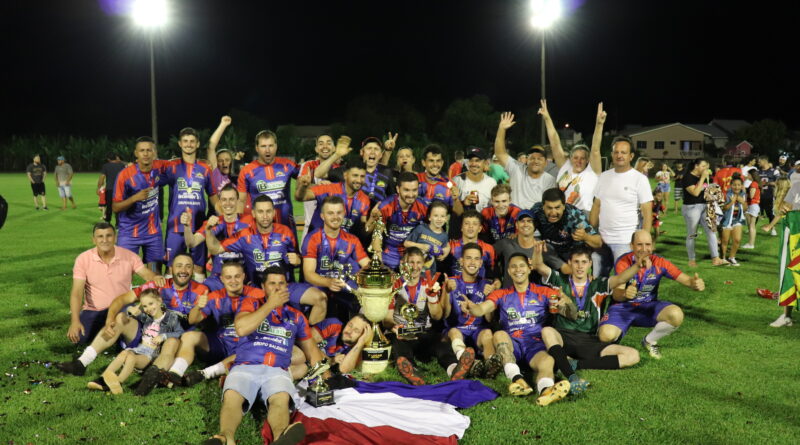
<point x="458" y="347"/>
<point x="450" y="369"/>
<point x="661" y="330"/>
<point x="179" y="366"/>
<point x="88" y="356"/>
<point x="199" y="277"/>
<point x="544" y="383"/>
<point x="214" y="371"/>
<point x="511" y="370"/>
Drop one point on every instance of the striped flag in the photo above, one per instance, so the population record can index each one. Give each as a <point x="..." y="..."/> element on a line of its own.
<point x="790" y="259"/>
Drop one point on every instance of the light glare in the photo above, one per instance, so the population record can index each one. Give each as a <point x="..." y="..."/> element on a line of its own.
<point x="545" y="13"/>
<point x="149" y="13"/>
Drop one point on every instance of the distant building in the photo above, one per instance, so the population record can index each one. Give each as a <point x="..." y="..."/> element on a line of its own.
<point x="739" y="151"/>
<point x="669" y="141"/>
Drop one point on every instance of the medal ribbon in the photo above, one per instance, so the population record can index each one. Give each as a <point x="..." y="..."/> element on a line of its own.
<point x="580" y="300"/>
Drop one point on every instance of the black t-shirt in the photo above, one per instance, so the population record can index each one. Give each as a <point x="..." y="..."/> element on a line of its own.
<point x="111" y="170"/>
<point x="688" y="198"/>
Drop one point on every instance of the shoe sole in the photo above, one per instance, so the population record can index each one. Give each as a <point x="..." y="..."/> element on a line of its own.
<point x="97" y="386"/>
<point x="406" y="369"/>
<point x="559" y="392"/>
<point x="519" y="390"/>
<point x="293" y="434"/>
<point x="493" y="367"/>
<point x="464" y="364"/>
<point x="579" y="387"/>
<point x="112" y="381"/>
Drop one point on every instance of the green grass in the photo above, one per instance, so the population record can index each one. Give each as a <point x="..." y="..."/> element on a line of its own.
<point x="726" y="376"/>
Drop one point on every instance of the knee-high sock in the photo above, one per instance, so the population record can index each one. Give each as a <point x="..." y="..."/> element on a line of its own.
<point x="562" y="362"/>
<point x="661" y="330"/>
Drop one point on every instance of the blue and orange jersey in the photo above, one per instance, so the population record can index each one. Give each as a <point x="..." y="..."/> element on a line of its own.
<point x="271" y="343"/>
<point x="647" y="281"/>
<point x="523" y="314"/>
<point x="457" y="251"/>
<point x="330" y="329"/>
<point x="223" y="231"/>
<point x="498" y="227"/>
<point x="355" y="207"/>
<point x="333" y="252"/>
<point x="223" y="307"/>
<point x="273" y="180"/>
<point x="438" y="190"/>
<point x="399" y="224"/>
<point x="309" y="167"/>
<point x="473" y="290"/>
<point x="143" y="218"/>
<point x="181" y="301"/>
<point x="262" y="250"/>
<point x="187" y="183"/>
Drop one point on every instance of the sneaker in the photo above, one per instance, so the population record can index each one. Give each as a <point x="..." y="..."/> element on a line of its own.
<point x="553" y="394"/>
<point x="192" y="378"/>
<point x="766" y="293"/>
<point x="493" y="366"/>
<point x="45" y="208"/>
<point x="653" y="350"/>
<point x="782" y="321"/>
<point x="293" y="434"/>
<point x="478" y="370"/>
<point x="464" y="364"/>
<point x="577" y="385"/>
<point x="173" y="379"/>
<point x="98" y="385"/>
<point x="748" y="246"/>
<point x="772" y="232"/>
<point x="407" y="370"/>
<point x="150" y="378"/>
<point x="733" y="262"/>
<point x="74" y="367"/>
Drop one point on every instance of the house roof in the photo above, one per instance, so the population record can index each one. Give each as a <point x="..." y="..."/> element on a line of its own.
<point x="643" y="130"/>
<point x="714" y="131"/>
<point x="729" y="125"/>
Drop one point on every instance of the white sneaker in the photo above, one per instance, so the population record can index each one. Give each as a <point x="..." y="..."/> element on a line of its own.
<point x="733" y="262"/>
<point x="773" y="233"/>
<point x="782" y="321"/>
<point x="748" y="246"/>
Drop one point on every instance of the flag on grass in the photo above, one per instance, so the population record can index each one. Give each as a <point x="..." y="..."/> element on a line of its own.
<point x="790" y="259"/>
<point x="391" y="413"/>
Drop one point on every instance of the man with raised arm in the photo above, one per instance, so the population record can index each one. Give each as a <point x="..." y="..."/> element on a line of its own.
<point x="324" y="147"/>
<point x="221" y="161"/>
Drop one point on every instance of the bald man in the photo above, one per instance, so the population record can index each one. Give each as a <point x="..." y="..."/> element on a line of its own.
<point x="636" y="302"/>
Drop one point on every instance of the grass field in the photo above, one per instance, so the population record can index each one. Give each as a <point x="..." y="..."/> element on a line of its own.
<point x="726" y="376"/>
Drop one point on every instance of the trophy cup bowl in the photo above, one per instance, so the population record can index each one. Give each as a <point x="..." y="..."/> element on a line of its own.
<point x="318" y="393"/>
<point x="409" y="312"/>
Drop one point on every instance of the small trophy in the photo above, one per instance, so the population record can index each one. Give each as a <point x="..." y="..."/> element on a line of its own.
<point x="410" y="312"/>
<point x="318" y="393"/>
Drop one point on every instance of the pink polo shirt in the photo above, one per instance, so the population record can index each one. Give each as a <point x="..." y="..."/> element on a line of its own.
<point x="104" y="282"/>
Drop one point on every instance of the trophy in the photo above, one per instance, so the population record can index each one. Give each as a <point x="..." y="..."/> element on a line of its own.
<point x="318" y="394"/>
<point x="409" y="311"/>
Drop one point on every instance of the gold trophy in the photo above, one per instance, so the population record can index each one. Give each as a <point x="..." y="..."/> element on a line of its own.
<point x="409" y="311"/>
<point x="318" y="394"/>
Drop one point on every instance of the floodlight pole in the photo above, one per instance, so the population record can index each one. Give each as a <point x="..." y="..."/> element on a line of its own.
<point x="153" y="90"/>
<point x="544" y="133"/>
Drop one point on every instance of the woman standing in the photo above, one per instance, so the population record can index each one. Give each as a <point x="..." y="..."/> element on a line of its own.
<point x="694" y="209"/>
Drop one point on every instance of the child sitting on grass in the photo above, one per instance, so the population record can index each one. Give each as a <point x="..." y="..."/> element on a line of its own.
<point x="157" y="324"/>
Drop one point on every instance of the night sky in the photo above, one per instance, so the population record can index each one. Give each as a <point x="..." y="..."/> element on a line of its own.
<point x="79" y="67"/>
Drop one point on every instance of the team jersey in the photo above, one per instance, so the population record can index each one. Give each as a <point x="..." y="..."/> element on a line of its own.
<point x="187" y="182"/>
<point x="180" y="301"/>
<point x="218" y="180"/>
<point x="488" y="258"/>
<point x="223" y="231"/>
<point x="378" y="184"/>
<point x="355" y="207"/>
<point x="309" y="167"/>
<point x="756" y="198"/>
<point x="223" y="308"/>
<point x="332" y="254"/>
<point x="399" y="224"/>
<point x="411" y="294"/>
<point x="456" y="168"/>
<point x="499" y="227"/>
<point x="273" y="180"/>
<point x="647" y="281"/>
<point x="143" y="217"/>
<point x="591" y="304"/>
<point x="474" y="292"/>
<point x="262" y="250"/>
<point x="438" y="190"/>
<point x="271" y="343"/>
<point x="330" y="329"/>
<point x="724" y="176"/>
<point x="523" y="314"/>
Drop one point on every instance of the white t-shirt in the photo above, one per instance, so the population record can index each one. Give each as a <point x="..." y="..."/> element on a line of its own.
<point x="484" y="188"/>
<point x="793" y="195"/>
<point x="663" y="176"/>
<point x="620" y="196"/>
<point x="526" y="191"/>
<point x="578" y="188"/>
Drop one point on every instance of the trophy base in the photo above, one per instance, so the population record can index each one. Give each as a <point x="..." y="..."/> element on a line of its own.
<point x="410" y="331"/>
<point x="375" y="360"/>
<point x="319" y="398"/>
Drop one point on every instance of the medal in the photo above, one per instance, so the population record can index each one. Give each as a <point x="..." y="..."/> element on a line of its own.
<point x="582" y="314"/>
<point x="580" y="300"/>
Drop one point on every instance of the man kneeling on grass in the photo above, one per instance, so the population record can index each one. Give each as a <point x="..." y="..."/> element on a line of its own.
<point x="575" y="334"/>
<point x="523" y="310"/>
<point x="267" y="331"/>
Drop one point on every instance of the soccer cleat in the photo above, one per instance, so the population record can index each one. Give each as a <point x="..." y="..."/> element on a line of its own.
<point x="112" y="381"/>
<point x="733" y="262"/>
<point x="98" y="385"/>
<point x="464" y="364"/>
<point x="782" y="321"/>
<point x="766" y="293"/>
<point x="192" y="378"/>
<point x="577" y="385"/>
<point x="519" y="388"/>
<point x="407" y="370"/>
<point x="554" y="393"/>
<point x="478" y="370"/>
<point x="74" y="367"/>
<point x="748" y="246"/>
<point x="150" y="378"/>
<point x="493" y="366"/>
<point x="293" y="434"/>
<point x="173" y="379"/>
<point x="652" y="349"/>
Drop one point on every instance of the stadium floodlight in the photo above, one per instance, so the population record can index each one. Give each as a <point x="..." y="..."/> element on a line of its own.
<point x="545" y="13"/>
<point x="149" y="13"/>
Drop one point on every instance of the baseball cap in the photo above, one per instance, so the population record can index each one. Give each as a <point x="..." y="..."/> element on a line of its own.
<point x="60" y="158"/>
<point x="536" y="149"/>
<point x="797" y="162"/>
<point x="525" y="214"/>
<point x="476" y="152"/>
<point x="783" y="156"/>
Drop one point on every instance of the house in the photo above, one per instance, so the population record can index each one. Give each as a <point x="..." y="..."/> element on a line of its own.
<point x="739" y="151"/>
<point x="670" y="141"/>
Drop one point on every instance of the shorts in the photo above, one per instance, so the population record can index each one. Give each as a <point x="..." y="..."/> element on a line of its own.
<point x="144" y="350"/>
<point x="65" y="191"/>
<point x="251" y="381"/>
<point x="678" y="193"/>
<point x="296" y="291"/>
<point x="218" y="348"/>
<point x="93" y="322"/>
<point x="38" y="188"/>
<point x="581" y="345"/>
<point x="663" y="187"/>
<point x="175" y="243"/>
<point x="152" y="246"/>
<point x="625" y="315"/>
<point x="753" y="210"/>
<point x="470" y="334"/>
<point x="527" y="348"/>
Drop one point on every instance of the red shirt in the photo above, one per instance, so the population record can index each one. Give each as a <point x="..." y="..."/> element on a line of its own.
<point x="724" y="175"/>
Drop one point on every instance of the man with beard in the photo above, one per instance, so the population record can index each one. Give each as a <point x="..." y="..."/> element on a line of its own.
<point x="528" y="182"/>
<point x="474" y="184"/>
<point x="471" y="225"/>
<point x="500" y="218"/>
<point x="378" y="183"/>
<point x="343" y="344"/>
<point x="266" y="244"/>
<point x="188" y="180"/>
<point x="522" y="244"/>
<point x="434" y="186"/>
<point x="564" y="227"/>
<point x="324" y="148"/>
<point x="356" y="202"/>
<point x="222" y="229"/>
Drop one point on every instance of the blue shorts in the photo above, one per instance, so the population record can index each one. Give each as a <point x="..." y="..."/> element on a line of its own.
<point x="152" y="246"/>
<point x="470" y="334"/>
<point x="175" y="243"/>
<point x="625" y="315"/>
<point x="663" y="187"/>
<point x="526" y="348"/>
<point x="296" y="291"/>
<point x="218" y="348"/>
<point x="252" y="381"/>
<point x="93" y="322"/>
<point x="213" y="283"/>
